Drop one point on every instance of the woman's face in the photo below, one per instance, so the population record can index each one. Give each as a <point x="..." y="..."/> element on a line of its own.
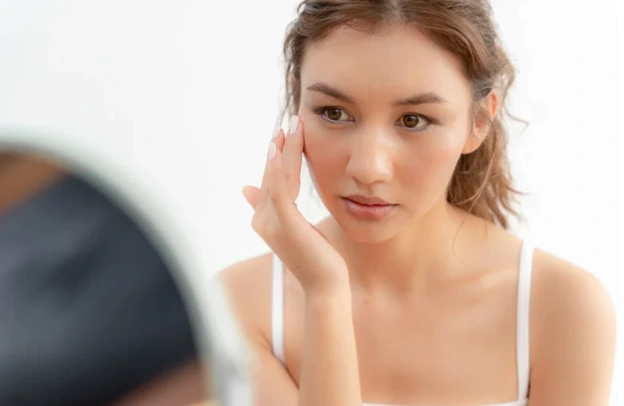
<point x="385" y="116"/>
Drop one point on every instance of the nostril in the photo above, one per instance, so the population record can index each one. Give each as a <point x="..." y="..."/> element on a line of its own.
<point x="368" y="171"/>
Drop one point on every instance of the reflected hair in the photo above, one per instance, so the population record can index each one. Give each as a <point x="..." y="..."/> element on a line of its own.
<point x="481" y="183"/>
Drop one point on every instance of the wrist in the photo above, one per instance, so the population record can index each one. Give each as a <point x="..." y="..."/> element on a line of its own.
<point x="328" y="294"/>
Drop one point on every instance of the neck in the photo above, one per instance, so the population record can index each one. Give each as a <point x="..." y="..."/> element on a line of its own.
<point x="424" y="255"/>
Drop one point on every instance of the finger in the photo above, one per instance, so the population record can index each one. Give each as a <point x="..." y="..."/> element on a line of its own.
<point x="288" y="215"/>
<point x="275" y="140"/>
<point x="252" y="195"/>
<point x="278" y="187"/>
<point x="279" y="139"/>
<point x="293" y="155"/>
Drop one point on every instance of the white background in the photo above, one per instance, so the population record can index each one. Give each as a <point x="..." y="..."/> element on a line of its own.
<point x="184" y="96"/>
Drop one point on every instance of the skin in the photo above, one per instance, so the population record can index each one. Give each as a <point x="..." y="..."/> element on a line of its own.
<point x="181" y="386"/>
<point x="22" y="177"/>
<point x="430" y="301"/>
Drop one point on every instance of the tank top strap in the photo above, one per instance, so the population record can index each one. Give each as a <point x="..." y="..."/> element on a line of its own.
<point x="277" y="308"/>
<point x="522" y="329"/>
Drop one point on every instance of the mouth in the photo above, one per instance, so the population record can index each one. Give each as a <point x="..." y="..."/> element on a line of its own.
<point x="368" y="207"/>
<point x="368" y="200"/>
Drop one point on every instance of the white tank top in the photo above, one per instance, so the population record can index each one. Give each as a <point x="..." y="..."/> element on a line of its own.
<point x="522" y="328"/>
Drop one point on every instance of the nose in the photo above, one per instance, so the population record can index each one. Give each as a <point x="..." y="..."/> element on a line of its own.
<point x="370" y="160"/>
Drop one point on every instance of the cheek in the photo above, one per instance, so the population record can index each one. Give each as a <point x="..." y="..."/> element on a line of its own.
<point x="430" y="162"/>
<point x="424" y="163"/>
<point x="324" y="155"/>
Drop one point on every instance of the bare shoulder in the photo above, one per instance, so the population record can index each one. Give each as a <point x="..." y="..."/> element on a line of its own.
<point x="248" y="286"/>
<point x="568" y="294"/>
<point x="572" y="333"/>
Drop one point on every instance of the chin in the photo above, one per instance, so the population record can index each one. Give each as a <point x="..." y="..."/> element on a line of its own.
<point x="370" y="232"/>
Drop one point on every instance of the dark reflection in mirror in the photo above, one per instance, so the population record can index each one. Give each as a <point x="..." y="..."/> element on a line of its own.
<point x="89" y="312"/>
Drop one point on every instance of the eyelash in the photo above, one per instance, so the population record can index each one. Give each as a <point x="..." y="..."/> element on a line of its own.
<point x="322" y="111"/>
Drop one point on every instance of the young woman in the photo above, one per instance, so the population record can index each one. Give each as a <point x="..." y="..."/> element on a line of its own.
<point x="413" y="291"/>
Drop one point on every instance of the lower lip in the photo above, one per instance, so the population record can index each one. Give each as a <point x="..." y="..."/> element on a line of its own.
<point x="369" y="212"/>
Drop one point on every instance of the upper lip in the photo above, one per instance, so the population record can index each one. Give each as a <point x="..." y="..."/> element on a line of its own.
<point x="367" y="200"/>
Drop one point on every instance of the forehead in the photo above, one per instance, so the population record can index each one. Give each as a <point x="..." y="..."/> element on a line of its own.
<point x="392" y="61"/>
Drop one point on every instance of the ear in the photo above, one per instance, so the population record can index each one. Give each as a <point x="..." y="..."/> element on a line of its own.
<point x="482" y="123"/>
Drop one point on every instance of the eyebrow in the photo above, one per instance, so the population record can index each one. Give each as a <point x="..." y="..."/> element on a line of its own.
<point x="423" y="98"/>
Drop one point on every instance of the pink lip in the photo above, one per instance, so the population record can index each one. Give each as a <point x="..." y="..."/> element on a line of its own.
<point x="368" y="208"/>
<point x="367" y="201"/>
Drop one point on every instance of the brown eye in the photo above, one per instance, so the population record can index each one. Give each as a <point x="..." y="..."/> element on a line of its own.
<point x="333" y="114"/>
<point x="411" y="120"/>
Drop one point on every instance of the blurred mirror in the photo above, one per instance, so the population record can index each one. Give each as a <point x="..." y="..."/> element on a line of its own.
<point x="89" y="311"/>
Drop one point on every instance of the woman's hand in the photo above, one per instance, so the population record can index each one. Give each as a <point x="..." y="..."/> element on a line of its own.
<point x="329" y="368"/>
<point x="303" y="249"/>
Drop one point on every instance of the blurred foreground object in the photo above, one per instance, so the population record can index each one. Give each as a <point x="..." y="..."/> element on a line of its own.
<point x="89" y="312"/>
<point x="77" y="97"/>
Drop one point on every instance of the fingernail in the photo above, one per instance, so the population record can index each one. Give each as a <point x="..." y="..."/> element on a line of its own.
<point x="272" y="151"/>
<point x="277" y="133"/>
<point x="293" y="125"/>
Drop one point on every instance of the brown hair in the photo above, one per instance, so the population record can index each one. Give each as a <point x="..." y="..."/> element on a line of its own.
<point x="482" y="182"/>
